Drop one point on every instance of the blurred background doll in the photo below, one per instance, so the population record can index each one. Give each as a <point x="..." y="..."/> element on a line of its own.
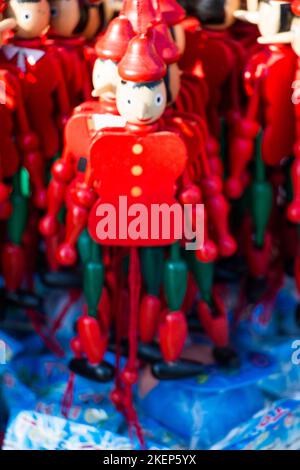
<point x="260" y="152"/>
<point x="21" y="158"/>
<point x="42" y="77"/>
<point x="73" y="24"/>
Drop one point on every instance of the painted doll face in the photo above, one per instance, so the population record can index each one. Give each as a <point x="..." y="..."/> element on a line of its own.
<point x="32" y="18"/>
<point x="105" y="79"/>
<point x="141" y="103"/>
<point x="65" y="16"/>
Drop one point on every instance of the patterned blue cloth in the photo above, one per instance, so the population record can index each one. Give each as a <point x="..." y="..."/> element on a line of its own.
<point x="276" y="427"/>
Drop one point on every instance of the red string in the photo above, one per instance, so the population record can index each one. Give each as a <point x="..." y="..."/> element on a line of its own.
<point x="73" y="297"/>
<point x="132" y="418"/>
<point x="135" y="290"/>
<point x="68" y="397"/>
<point x="134" y="286"/>
<point x="117" y="267"/>
<point x="47" y="338"/>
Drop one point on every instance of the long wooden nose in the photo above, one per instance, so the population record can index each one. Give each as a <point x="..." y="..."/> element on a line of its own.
<point x="280" y="38"/>
<point x="7" y="24"/>
<point x="104" y="89"/>
<point x="247" y="16"/>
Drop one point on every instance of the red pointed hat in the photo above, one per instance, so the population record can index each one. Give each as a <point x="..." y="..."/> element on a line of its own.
<point x="114" y="42"/>
<point x="141" y="13"/>
<point x="172" y="12"/>
<point x="164" y="43"/>
<point x="141" y="62"/>
<point x="295" y="7"/>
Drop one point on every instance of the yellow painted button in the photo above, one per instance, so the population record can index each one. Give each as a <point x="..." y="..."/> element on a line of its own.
<point x="136" y="191"/>
<point x="136" y="170"/>
<point x="137" y="149"/>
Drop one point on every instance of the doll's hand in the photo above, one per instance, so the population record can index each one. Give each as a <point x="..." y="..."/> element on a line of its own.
<point x="62" y="171"/>
<point x="190" y="195"/>
<point x="49" y="226"/>
<point x="84" y="196"/>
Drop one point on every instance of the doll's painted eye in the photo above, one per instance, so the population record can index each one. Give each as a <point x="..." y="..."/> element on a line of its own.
<point x="158" y="99"/>
<point x="53" y="11"/>
<point x="129" y="101"/>
<point x="27" y="15"/>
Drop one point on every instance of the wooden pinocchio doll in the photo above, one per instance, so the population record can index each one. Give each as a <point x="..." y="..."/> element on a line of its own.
<point x="264" y="134"/>
<point x="293" y="210"/>
<point x="86" y="120"/>
<point x="9" y="159"/>
<point x="276" y="59"/>
<point x="198" y="146"/>
<point x="72" y="24"/>
<point x="210" y="49"/>
<point x="19" y="151"/>
<point x="203" y="176"/>
<point x="110" y="49"/>
<point x="205" y="180"/>
<point x="46" y="107"/>
<point x="218" y="209"/>
<point x="32" y="158"/>
<point x="84" y="123"/>
<point x="192" y="95"/>
<point x="43" y="85"/>
<point x="138" y="150"/>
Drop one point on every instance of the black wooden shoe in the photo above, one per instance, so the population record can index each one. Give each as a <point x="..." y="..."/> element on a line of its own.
<point x="103" y="372"/>
<point x="149" y="353"/>
<point x="180" y="369"/>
